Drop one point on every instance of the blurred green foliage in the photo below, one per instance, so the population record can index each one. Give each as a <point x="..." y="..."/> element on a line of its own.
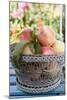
<point x="49" y="13"/>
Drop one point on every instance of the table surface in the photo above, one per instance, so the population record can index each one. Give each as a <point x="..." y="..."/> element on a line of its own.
<point x="14" y="92"/>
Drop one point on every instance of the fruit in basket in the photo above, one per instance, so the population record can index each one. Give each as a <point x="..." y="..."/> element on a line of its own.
<point x="26" y="34"/>
<point x="27" y="51"/>
<point x="46" y="35"/>
<point x="47" y="50"/>
<point x="58" y="47"/>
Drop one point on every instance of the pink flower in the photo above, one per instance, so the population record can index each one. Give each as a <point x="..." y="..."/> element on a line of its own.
<point x="23" y="5"/>
<point x="16" y="14"/>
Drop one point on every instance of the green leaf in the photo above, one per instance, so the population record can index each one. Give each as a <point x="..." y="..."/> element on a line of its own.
<point x="17" y="53"/>
<point x="35" y="41"/>
<point x="18" y="49"/>
<point x="33" y="37"/>
<point x="37" y="47"/>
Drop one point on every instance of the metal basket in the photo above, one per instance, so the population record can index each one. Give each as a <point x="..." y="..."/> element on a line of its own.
<point x="39" y="73"/>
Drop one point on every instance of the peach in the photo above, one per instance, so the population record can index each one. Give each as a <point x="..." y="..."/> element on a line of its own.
<point x="27" y="51"/>
<point x="58" y="47"/>
<point x="46" y="36"/>
<point x="47" y="51"/>
<point x="26" y="34"/>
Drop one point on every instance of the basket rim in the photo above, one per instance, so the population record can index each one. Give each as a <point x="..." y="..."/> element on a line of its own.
<point x="42" y="58"/>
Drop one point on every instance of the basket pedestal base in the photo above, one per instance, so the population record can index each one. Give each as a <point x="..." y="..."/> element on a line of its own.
<point x="37" y="90"/>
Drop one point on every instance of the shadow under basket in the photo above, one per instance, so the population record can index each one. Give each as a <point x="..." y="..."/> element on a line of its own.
<point x="39" y="73"/>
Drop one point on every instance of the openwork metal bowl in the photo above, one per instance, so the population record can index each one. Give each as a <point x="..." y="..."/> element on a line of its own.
<point x="39" y="73"/>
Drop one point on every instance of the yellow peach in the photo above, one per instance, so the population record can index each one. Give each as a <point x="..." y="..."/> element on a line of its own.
<point x="26" y="51"/>
<point x="58" y="47"/>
